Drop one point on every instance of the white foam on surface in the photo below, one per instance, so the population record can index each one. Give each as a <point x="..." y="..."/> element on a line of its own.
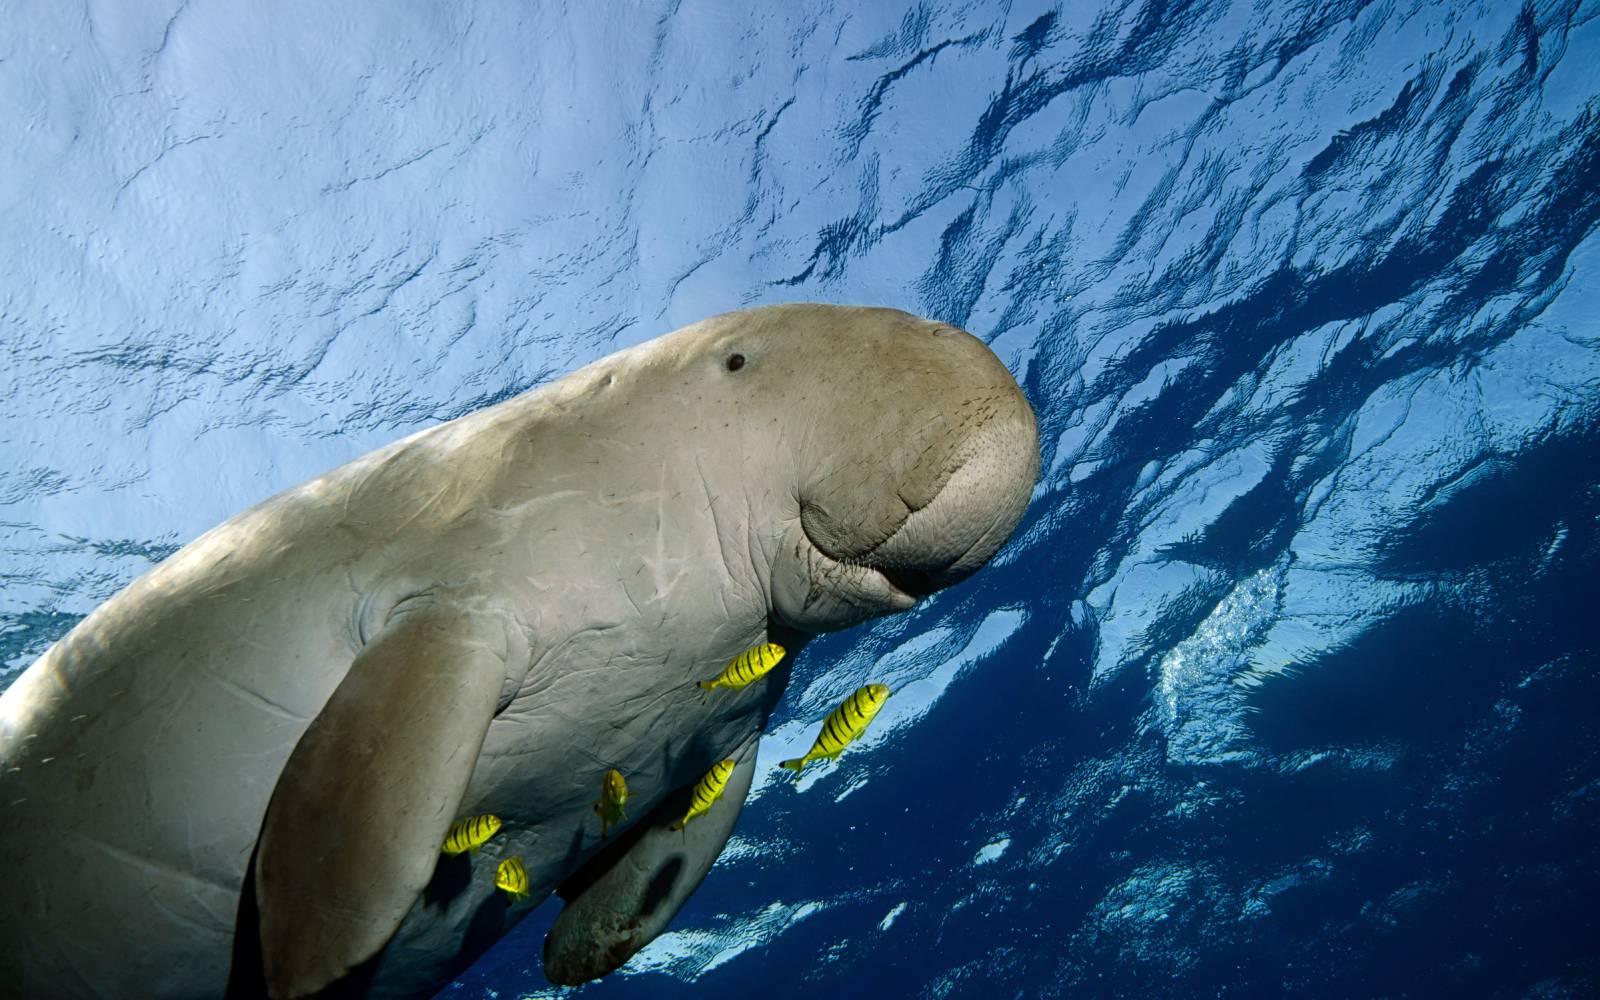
<point x="991" y="852"/>
<point x="690" y="953"/>
<point x="890" y="917"/>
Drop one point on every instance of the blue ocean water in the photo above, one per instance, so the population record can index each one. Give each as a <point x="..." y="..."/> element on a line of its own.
<point x="1287" y="683"/>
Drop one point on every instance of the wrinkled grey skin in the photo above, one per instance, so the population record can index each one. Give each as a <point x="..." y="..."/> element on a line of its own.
<point x="272" y="730"/>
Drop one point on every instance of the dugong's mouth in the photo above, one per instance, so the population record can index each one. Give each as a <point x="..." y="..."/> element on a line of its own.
<point x="852" y="581"/>
<point x="838" y="589"/>
<point x="914" y="583"/>
<point x="909" y="582"/>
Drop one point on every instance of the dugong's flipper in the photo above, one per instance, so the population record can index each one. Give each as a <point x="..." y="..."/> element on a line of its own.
<point x="353" y="830"/>
<point x="623" y="898"/>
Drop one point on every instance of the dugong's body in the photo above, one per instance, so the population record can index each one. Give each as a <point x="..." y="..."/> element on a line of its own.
<point x="236" y="774"/>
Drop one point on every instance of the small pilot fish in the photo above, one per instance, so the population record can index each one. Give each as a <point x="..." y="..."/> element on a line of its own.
<point x="470" y="834"/>
<point x="512" y="876"/>
<point x="843" y="725"/>
<point x="613" y="797"/>
<point x="706" y="792"/>
<point x="747" y="668"/>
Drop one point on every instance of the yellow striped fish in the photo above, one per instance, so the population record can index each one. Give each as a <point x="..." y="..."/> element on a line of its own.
<point x="747" y="668"/>
<point x="613" y="797"/>
<point x="470" y="834"/>
<point x="706" y="792"/>
<point x="512" y="876"/>
<point x="843" y="725"/>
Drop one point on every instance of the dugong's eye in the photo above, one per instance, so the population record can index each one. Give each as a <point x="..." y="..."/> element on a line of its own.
<point x="735" y="362"/>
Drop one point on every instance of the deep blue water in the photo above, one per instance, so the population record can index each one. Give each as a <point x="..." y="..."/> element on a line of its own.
<point x="1287" y="683"/>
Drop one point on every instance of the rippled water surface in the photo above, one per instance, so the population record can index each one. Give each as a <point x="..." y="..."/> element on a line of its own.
<point x="1287" y="682"/>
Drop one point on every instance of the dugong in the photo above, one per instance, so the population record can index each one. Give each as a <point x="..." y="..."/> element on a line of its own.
<point x="234" y="777"/>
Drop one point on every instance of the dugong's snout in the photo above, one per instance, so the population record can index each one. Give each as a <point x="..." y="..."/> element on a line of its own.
<point x="974" y="513"/>
<point x="926" y="482"/>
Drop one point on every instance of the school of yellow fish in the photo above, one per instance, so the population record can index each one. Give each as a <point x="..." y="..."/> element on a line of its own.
<point x="842" y="727"/>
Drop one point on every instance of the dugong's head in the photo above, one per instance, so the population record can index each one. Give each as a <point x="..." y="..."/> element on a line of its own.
<point x="903" y="453"/>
